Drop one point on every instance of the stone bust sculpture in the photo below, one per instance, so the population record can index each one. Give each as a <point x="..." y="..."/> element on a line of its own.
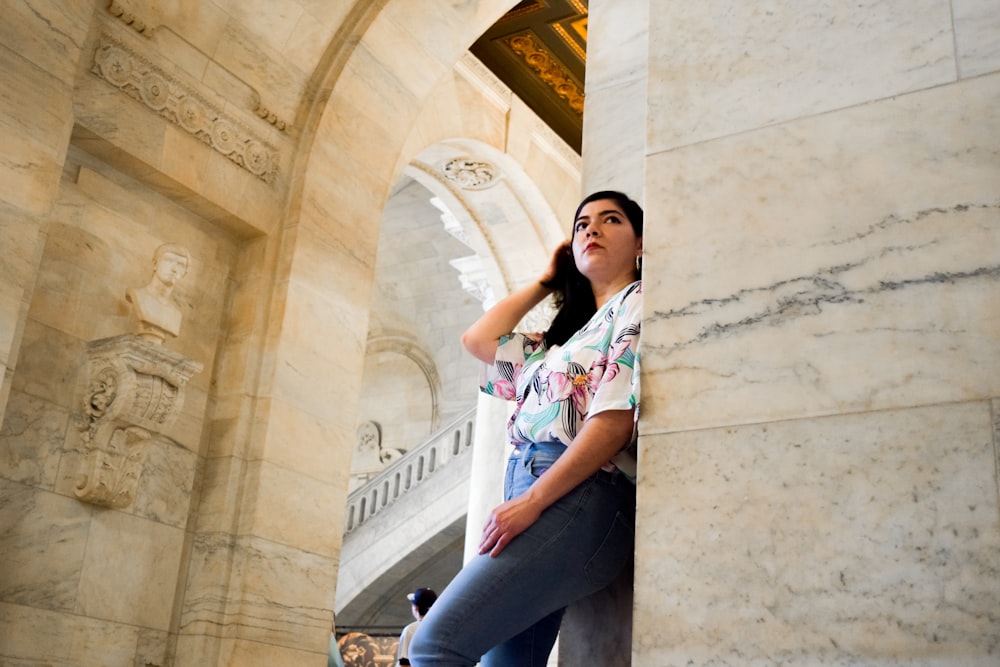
<point x="157" y="315"/>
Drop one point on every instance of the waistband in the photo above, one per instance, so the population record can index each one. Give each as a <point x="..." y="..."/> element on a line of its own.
<point x="556" y="449"/>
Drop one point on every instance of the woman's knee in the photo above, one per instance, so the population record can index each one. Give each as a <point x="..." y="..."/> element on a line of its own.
<point x="429" y="648"/>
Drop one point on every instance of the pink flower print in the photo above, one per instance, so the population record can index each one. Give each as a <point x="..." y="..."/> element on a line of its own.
<point x="597" y="371"/>
<point x="570" y="386"/>
<point x="503" y="388"/>
<point x="558" y="387"/>
<point x="617" y="351"/>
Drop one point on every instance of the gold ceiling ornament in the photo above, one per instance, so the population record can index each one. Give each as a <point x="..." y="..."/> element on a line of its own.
<point x="573" y="45"/>
<point x="548" y="69"/>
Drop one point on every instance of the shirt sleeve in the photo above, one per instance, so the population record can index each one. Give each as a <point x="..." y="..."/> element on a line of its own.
<point x="499" y="378"/>
<point x="618" y="387"/>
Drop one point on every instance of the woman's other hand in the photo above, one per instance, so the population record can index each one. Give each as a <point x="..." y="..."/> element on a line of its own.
<point x="506" y="522"/>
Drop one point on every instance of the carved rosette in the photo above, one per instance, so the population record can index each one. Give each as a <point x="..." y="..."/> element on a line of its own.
<point x="134" y="389"/>
<point x="157" y="90"/>
<point x="469" y="173"/>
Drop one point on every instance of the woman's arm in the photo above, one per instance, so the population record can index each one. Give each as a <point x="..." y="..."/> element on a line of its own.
<point x="481" y="339"/>
<point x="601" y="437"/>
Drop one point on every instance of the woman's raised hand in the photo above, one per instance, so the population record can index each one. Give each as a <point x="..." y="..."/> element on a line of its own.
<point x="481" y="339"/>
<point x="562" y="254"/>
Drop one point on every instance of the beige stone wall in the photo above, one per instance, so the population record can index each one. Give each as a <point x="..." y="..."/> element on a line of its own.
<point x="119" y="566"/>
<point x="127" y="179"/>
<point x="229" y="553"/>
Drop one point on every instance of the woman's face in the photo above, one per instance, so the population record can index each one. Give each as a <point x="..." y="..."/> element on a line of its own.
<point x="604" y="242"/>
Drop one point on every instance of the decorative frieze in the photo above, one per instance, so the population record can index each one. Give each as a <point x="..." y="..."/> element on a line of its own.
<point x="142" y="81"/>
<point x="270" y="117"/>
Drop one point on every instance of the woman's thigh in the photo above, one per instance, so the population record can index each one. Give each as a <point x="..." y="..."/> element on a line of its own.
<point x="577" y="546"/>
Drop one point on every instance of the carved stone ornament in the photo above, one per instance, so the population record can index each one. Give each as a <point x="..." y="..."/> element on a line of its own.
<point x="135" y="389"/>
<point x="127" y="17"/>
<point x="367" y="446"/>
<point x="469" y="173"/>
<point x="157" y="316"/>
<point x="162" y="93"/>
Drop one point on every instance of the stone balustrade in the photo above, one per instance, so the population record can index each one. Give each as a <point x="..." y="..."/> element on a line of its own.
<point x="411" y="470"/>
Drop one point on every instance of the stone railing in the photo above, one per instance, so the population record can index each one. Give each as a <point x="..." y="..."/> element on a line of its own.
<point x="410" y="471"/>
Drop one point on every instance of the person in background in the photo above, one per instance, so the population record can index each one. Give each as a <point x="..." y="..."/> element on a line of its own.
<point x="420" y="602"/>
<point x="566" y="527"/>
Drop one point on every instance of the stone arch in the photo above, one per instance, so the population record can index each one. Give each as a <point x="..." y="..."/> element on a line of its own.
<point x="369" y="89"/>
<point x="502" y="214"/>
<point x="404" y="346"/>
<point x="343" y="175"/>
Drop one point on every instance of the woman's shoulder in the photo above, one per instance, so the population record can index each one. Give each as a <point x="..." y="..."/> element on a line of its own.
<point x="628" y="304"/>
<point x="630" y="294"/>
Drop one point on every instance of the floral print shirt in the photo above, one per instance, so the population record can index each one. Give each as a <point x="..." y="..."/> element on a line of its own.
<point x="556" y="389"/>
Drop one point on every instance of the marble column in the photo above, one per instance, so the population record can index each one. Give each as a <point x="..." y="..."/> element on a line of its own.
<point x="614" y="122"/>
<point x="489" y="454"/>
<point x="818" y="464"/>
<point x="598" y="629"/>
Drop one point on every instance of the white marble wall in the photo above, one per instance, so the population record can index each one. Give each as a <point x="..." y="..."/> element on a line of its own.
<point x="839" y="262"/>
<point x="614" y="122"/>
<point x="861" y="539"/>
<point x="599" y="629"/>
<point x="820" y="348"/>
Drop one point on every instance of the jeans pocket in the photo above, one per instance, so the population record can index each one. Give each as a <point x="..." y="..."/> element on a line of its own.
<point x="613" y="553"/>
<point x="540" y="461"/>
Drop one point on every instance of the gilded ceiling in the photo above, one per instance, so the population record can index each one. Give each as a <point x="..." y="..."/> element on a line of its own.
<point x="539" y="49"/>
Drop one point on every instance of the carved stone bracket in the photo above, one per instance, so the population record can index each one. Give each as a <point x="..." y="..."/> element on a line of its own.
<point x="164" y="94"/>
<point x="134" y="389"/>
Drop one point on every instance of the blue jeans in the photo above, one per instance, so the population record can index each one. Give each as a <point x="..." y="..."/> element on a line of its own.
<point x="506" y="611"/>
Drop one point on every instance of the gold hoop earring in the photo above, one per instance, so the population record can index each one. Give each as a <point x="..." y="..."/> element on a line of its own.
<point x="638" y="262"/>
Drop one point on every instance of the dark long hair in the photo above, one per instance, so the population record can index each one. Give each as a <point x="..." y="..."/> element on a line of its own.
<point x="573" y="295"/>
